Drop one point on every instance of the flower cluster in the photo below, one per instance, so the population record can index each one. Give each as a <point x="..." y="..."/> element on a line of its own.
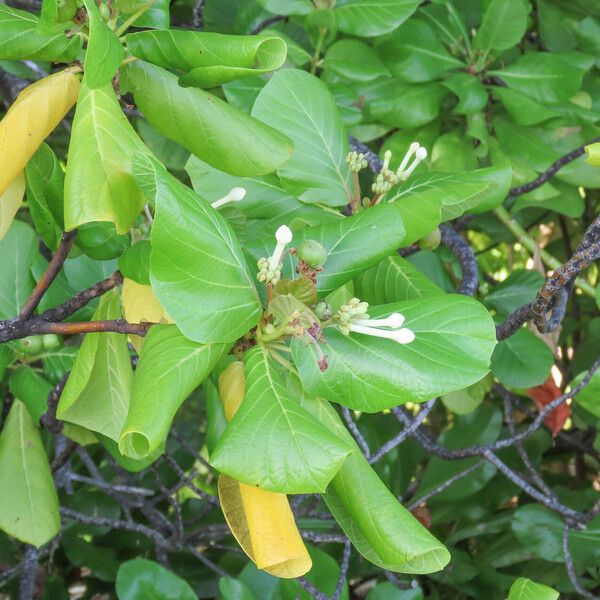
<point x="356" y="161"/>
<point x="386" y="179"/>
<point x="353" y="317"/>
<point x="269" y="269"/>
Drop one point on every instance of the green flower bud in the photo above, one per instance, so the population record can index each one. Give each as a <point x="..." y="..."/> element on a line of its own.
<point x="312" y="253"/>
<point x="431" y="241"/>
<point x="31" y="344"/>
<point x="50" y="341"/>
<point x="323" y="310"/>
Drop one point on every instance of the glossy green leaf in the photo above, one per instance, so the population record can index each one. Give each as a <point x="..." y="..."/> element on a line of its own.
<point x="354" y="60"/>
<point x="223" y="136"/>
<point x="98" y="390"/>
<point x="28" y="504"/>
<point x="414" y="53"/>
<point x="18" y="249"/>
<point x="480" y="427"/>
<point x="134" y="263"/>
<point x="503" y="25"/>
<point x="301" y="106"/>
<point x="352" y="244"/>
<point x="542" y="77"/>
<point x="367" y="18"/>
<point x="156" y="17"/>
<point x="272" y="442"/>
<point x="170" y="368"/>
<point x="455" y="337"/>
<point x="141" y="579"/>
<point x="21" y="38"/>
<point x="522" y="360"/>
<point x="197" y="269"/>
<point x="378" y="526"/>
<point x="525" y="589"/>
<point x="472" y="95"/>
<point x="465" y="401"/>
<point x="104" y="50"/>
<point x="98" y="182"/>
<point x="208" y="59"/>
<point x="519" y="288"/>
<point x="45" y="182"/>
<point x="287" y="7"/>
<point x="475" y="191"/>
<point x="522" y="108"/>
<point x="392" y="280"/>
<point x="32" y="389"/>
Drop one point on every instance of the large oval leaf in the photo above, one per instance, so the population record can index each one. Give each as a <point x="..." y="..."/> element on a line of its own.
<point x="37" y="110"/>
<point x="28" y="503"/>
<point x="378" y="526"/>
<point x="219" y="134"/>
<point x="367" y="18"/>
<point x="273" y="443"/>
<point x="98" y="182"/>
<point x="455" y="337"/>
<point x="503" y="25"/>
<point x="301" y="106"/>
<point x="208" y="59"/>
<point x="169" y="369"/>
<point x="21" y="38"/>
<point x="196" y="267"/>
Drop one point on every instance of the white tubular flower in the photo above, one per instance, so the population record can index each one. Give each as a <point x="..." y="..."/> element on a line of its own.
<point x="411" y="150"/>
<point x="283" y="236"/>
<point x="395" y="320"/>
<point x="420" y="155"/>
<point x="235" y="195"/>
<point x="402" y="336"/>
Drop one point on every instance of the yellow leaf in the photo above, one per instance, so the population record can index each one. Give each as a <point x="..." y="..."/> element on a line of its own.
<point x="593" y="154"/>
<point x="141" y="305"/>
<point x="37" y="110"/>
<point x="262" y="522"/>
<point x="10" y="201"/>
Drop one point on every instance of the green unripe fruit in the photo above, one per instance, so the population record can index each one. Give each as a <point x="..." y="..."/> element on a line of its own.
<point x="31" y="344"/>
<point x="50" y="341"/>
<point x="431" y="241"/>
<point x="312" y="253"/>
<point x="104" y="11"/>
<point x="323" y="311"/>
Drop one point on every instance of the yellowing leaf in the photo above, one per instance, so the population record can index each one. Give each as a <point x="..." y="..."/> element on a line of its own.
<point x="262" y="522"/>
<point x="35" y="113"/>
<point x="139" y="305"/>
<point x="10" y="200"/>
<point x="593" y="154"/>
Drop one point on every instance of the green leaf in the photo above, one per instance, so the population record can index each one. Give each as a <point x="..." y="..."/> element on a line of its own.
<point x="233" y="589"/>
<point x="388" y="591"/>
<point x="522" y="108"/>
<point x="287" y="7"/>
<point x="455" y="337"/>
<point x="141" y="579"/>
<point x="98" y="390"/>
<point x="208" y="59"/>
<point x="170" y="368"/>
<point x="134" y="263"/>
<point x="463" y="402"/>
<point x="480" y="427"/>
<point x="525" y="589"/>
<point x="104" y="50"/>
<point x="378" y="526"/>
<point x="367" y="18"/>
<point x="522" y="361"/>
<point x="393" y="280"/>
<point x="503" y="25"/>
<point x="472" y="95"/>
<point x="32" y="389"/>
<point x="593" y="154"/>
<point x="414" y="53"/>
<point x="301" y="106"/>
<point x="219" y="134"/>
<point x="98" y="182"/>
<point x="543" y="77"/>
<point x="21" y="38"/>
<point x="273" y="443"/>
<point x="209" y="294"/>
<point x="354" y="60"/>
<point x="475" y="191"/>
<point x="519" y="288"/>
<point x="407" y="106"/>
<point x="28" y="504"/>
<point x="45" y="182"/>
<point x="18" y="249"/>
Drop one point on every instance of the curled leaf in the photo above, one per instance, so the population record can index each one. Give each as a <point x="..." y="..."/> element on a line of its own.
<point x="37" y="110"/>
<point x="543" y="395"/>
<point x="262" y="522"/>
